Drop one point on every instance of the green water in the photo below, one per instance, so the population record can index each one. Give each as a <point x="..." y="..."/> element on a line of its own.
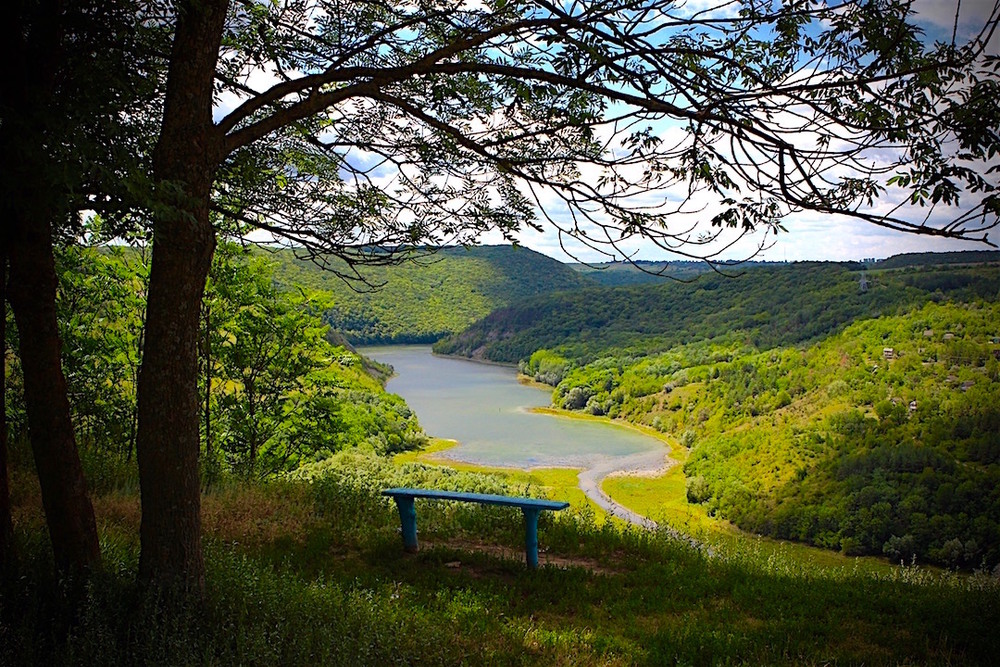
<point x="486" y="410"/>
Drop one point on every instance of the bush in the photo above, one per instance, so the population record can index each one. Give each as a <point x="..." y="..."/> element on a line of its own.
<point x="698" y="490"/>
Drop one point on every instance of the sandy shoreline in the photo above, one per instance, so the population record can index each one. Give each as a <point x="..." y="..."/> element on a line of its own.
<point x="652" y="463"/>
<point x="643" y="464"/>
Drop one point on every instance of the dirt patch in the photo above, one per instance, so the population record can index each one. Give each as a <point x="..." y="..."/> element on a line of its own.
<point x="500" y="551"/>
<point x="658" y="472"/>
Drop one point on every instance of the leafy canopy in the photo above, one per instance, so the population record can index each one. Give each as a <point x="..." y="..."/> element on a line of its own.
<point x="391" y="124"/>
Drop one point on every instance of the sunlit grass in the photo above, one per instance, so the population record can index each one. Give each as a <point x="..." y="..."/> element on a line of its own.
<point x="662" y="499"/>
<point x="313" y="572"/>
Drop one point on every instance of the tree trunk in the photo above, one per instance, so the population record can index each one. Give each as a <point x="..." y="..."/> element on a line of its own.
<point x="208" y="383"/>
<point x="32" y="294"/>
<point x="7" y="553"/>
<point x="184" y="163"/>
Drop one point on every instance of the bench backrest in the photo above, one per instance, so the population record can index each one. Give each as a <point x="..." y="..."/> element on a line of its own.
<point x="484" y="498"/>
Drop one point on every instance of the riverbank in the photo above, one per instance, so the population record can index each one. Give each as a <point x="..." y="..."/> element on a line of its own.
<point x="487" y="362"/>
<point x="652" y="493"/>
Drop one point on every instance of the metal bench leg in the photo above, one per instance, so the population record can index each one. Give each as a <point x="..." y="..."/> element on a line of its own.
<point x="408" y="523"/>
<point x="531" y="537"/>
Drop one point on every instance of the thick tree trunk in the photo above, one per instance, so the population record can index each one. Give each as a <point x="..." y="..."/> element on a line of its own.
<point x="168" y="438"/>
<point x="7" y="553"/>
<point x="187" y="154"/>
<point x="32" y="294"/>
<point x="207" y="355"/>
<point x="32" y="48"/>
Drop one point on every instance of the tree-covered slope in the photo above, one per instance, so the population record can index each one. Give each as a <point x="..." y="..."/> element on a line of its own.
<point x="851" y="409"/>
<point x="423" y="300"/>
<point x="881" y="439"/>
<point x="765" y="306"/>
<point x="616" y="274"/>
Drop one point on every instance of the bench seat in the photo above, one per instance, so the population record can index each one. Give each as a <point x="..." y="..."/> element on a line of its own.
<point x="531" y="507"/>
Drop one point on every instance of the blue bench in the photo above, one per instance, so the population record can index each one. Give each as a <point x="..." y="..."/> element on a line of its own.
<point x="530" y="506"/>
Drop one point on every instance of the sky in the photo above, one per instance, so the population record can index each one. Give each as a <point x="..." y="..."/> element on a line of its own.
<point x="812" y="236"/>
<point x="809" y="236"/>
<point x="832" y="239"/>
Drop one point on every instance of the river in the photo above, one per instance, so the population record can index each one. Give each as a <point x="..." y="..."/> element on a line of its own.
<point x="486" y="409"/>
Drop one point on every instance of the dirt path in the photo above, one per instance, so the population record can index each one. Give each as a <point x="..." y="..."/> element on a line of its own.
<point x="641" y="463"/>
<point x="653" y="463"/>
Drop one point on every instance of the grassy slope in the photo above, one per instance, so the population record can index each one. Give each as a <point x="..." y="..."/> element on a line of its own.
<point x="315" y="574"/>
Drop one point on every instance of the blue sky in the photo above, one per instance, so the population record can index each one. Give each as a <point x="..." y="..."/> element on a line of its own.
<point x="816" y="237"/>
<point x="809" y="236"/>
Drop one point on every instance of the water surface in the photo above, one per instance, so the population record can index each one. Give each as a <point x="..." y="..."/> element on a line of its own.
<point x="486" y="409"/>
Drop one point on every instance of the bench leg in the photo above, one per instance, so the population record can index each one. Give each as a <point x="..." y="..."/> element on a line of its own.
<point x="531" y="537"/>
<point x="408" y="523"/>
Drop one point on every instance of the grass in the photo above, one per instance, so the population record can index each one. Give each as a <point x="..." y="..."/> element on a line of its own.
<point x="554" y="483"/>
<point x="663" y="499"/>
<point x="312" y="572"/>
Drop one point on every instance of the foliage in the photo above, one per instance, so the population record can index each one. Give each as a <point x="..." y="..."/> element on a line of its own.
<point x="281" y="394"/>
<point x="764" y="307"/>
<point x="101" y="304"/>
<point x="421" y="301"/>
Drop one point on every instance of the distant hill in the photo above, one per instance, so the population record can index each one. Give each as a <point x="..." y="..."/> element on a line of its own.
<point x="766" y="306"/>
<point x="613" y="274"/>
<point x="939" y="259"/>
<point x="424" y="300"/>
<point x="641" y="272"/>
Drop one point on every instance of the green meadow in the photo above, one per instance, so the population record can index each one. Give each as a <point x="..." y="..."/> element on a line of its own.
<point x="311" y="570"/>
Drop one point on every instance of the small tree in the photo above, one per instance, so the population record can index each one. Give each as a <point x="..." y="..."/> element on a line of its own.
<point x="268" y="345"/>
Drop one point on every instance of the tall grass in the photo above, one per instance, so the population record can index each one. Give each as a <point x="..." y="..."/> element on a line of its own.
<point x="313" y="572"/>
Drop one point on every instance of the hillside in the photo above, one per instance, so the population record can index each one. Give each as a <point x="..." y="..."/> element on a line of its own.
<point x="881" y="439"/>
<point x="853" y="410"/>
<point x="765" y="306"/>
<point x="643" y="272"/>
<point x="614" y="274"/>
<point x="423" y="300"/>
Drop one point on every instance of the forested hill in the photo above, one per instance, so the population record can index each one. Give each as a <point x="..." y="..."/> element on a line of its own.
<point x="766" y="306"/>
<point x="421" y="301"/>
<point x="613" y="274"/>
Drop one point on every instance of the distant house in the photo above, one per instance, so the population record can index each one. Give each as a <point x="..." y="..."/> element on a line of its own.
<point x="928" y="333"/>
<point x="888" y="353"/>
<point x="967" y="385"/>
<point x="949" y="336"/>
<point x="913" y="406"/>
